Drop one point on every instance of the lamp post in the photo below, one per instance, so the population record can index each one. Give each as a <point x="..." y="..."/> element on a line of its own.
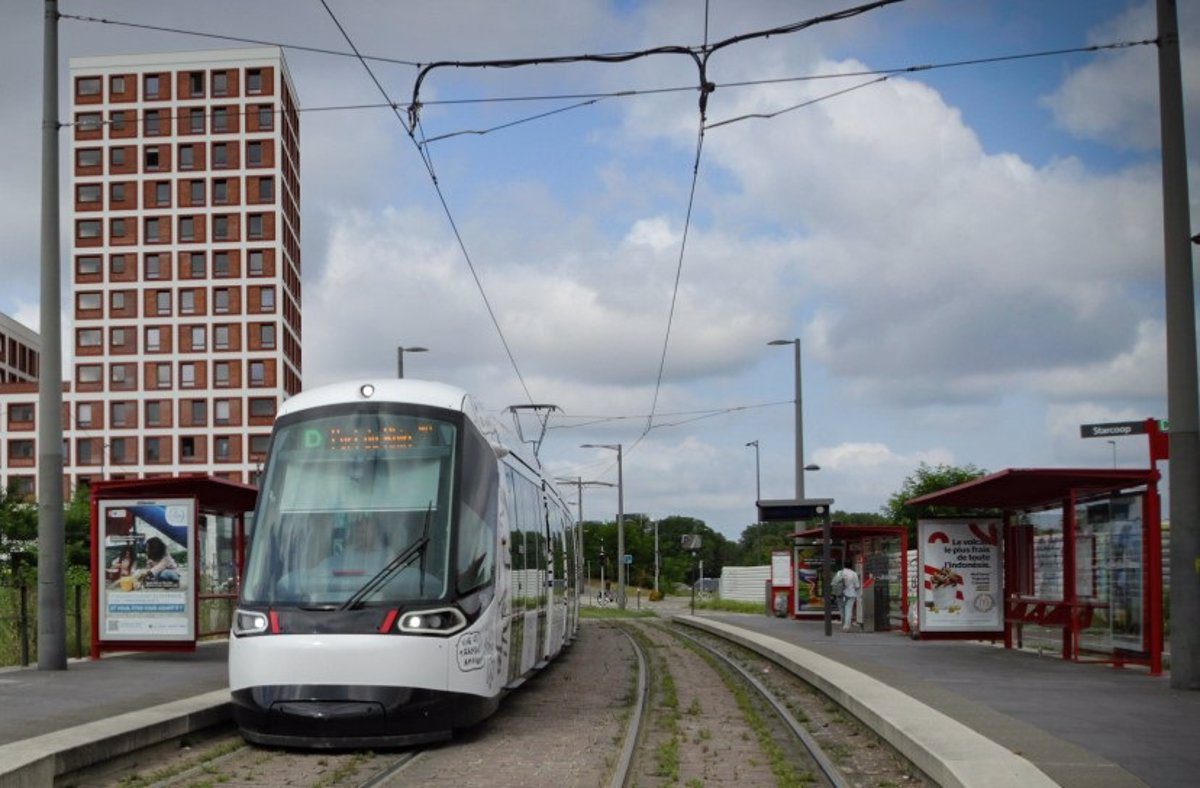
<point x="799" y="418"/>
<point x="400" y="351"/>
<point x="757" y="473"/>
<point x="1114" y="445"/>
<point x="620" y="517"/>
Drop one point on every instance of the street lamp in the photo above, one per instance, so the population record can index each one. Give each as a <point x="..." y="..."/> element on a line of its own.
<point x="1114" y="445"/>
<point x="757" y="473"/>
<point x="799" y="418"/>
<point x="400" y="351"/>
<point x="620" y="517"/>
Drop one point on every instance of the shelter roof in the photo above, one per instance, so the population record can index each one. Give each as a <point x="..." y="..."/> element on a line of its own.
<point x="211" y="493"/>
<point x="1033" y="488"/>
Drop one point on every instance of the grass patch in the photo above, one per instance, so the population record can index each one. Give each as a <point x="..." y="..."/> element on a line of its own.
<point x="729" y="606"/>
<point x="202" y="760"/>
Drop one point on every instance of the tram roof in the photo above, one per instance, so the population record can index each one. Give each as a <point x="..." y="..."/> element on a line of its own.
<point x="418" y="392"/>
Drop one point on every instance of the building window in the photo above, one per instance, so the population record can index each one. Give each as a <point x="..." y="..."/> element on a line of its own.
<point x="221" y="300"/>
<point x="116" y="228"/>
<point x="88" y="265"/>
<point x="117" y="337"/>
<point x="83" y="415"/>
<point x="254" y="153"/>
<point x="199" y="411"/>
<point x="221" y="264"/>
<point x="220" y="119"/>
<point x="187" y="448"/>
<point x="187" y="302"/>
<point x="254" y="226"/>
<point x="220" y="83"/>
<point x="90" y="373"/>
<point x="89" y="337"/>
<point x="117" y="374"/>
<point x="83" y="451"/>
<point x="116" y="85"/>
<point x="196" y="121"/>
<point x="151" y="229"/>
<point x="151" y="84"/>
<point x="220" y="227"/>
<point x="117" y="264"/>
<point x="89" y="121"/>
<point x="116" y="122"/>
<point x="153" y="267"/>
<point x="88" y="192"/>
<point x="221" y="376"/>
<point x="187" y="229"/>
<point x="163" y="302"/>
<point x="117" y="300"/>
<point x="262" y="407"/>
<point x="187" y="157"/>
<point x="259" y="443"/>
<point x="266" y="117"/>
<point x="187" y="376"/>
<point x="162" y="193"/>
<point x="88" y="157"/>
<point x="162" y="376"/>
<point x="196" y="190"/>
<point x="254" y="80"/>
<point x="196" y="83"/>
<point x="151" y="119"/>
<point x="152" y="158"/>
<point x="220" y="154"/>
<point x="221" y="447"/>
<point x="116" y="157"/>
<point x="220" y="191"/>
<point x="153" y="339"/>
<point x="153" y="449"/>
<point x="89" y="228"/>
<point x="266" y="189"/>
<point x="19" y="413"/>
<point x="256" y="263"/>
<point x="198" y="337"/>
<point x="153" y="413"/>
<point x="87" y="86"/>
<point x="116" y="192"/>
<point x="117" y="451"/>
<point x="258" y="373"/>
<point x="196" y="265"/>
<point x="221" y="337"/>
<point x="220" y="410"/>
<point x="266" y="336"/>
<point x="120" y="414"/>
<point x="268" y="299"/>
<point x="87" y="302"/>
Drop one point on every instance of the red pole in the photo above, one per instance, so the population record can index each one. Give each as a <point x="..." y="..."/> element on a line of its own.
<point x="1152" y="587"/>
<point x="1071" y="632"/>
<point x="97" y="572"/>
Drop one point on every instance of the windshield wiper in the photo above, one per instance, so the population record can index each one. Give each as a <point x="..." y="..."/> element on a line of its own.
<point x="402" y="559"/>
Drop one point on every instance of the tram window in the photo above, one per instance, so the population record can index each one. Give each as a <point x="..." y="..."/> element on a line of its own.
<point x="477" y="522"/>
<point x="516" y="538"/>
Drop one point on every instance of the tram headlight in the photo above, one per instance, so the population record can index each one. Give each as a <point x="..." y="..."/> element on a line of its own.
<point x="249" y="622"/>
<point x="441" y="621"/>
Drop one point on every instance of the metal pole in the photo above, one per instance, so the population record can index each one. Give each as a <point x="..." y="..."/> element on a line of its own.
<point x="757" y="475"/>
<point x="799" y="429"/>
<point x="400" y="363"/>
<point x="52" y="619"/>
<point x="620" y="530"/>
<point x="1114" y="450"/>
<point x="1183" y="401"/>
<point x="656" y="556"/>
<point x="827" y="550"/>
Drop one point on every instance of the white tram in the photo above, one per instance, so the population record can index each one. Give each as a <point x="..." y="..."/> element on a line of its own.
<point x="409" y="564"/>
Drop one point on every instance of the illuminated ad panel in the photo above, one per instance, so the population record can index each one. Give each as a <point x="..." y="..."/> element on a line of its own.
<point x="962" y="577"/>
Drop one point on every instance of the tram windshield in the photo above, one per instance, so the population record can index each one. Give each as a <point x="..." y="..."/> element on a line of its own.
<point x="345" y="495"/>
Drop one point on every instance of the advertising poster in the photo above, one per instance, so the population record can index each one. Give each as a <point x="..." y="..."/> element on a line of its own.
<point x="962" y="576"/>
<point x="147" y="562"/>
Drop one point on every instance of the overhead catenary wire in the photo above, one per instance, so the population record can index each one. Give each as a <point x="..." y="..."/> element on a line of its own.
<point x="442" y="198"/>
<point x="592" y="420"/>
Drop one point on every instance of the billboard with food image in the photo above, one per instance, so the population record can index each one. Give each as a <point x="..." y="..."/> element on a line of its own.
<point x="962" y="576"/>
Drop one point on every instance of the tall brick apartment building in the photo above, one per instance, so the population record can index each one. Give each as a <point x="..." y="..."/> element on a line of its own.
<point x="185" y="267"/>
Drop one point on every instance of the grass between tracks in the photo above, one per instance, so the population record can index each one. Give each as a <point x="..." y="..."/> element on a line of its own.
<point x="785" y="774"/>
<point x="159" y="775"/>
<point x="614" y="612"/>
<point x="666" y="755"/>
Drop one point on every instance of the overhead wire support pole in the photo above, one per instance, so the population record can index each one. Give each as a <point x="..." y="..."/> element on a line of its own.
<point x="52" y="612"/>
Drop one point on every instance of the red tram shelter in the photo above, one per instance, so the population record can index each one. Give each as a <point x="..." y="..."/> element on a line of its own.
<point x="1082" y="551"/>
<point x="167" y="557"/>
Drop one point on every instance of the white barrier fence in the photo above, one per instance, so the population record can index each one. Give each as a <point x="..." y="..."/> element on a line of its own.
<point x="745" y="583"/>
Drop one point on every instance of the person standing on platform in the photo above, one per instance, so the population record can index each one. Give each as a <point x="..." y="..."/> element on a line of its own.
<point x="850" y="589"/>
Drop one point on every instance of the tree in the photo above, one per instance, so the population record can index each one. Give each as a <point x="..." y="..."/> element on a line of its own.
<point x="77" y="528"/>
<point x="924" y="480"/>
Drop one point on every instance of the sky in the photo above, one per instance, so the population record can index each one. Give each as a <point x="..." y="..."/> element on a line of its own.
<point x="971" y="256"/>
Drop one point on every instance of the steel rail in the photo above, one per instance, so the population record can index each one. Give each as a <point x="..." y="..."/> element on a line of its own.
<point x="620" y="776"/>
<point x="827" y="767"/>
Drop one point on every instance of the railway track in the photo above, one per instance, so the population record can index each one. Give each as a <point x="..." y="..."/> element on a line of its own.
<point x="630" y="704"/>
